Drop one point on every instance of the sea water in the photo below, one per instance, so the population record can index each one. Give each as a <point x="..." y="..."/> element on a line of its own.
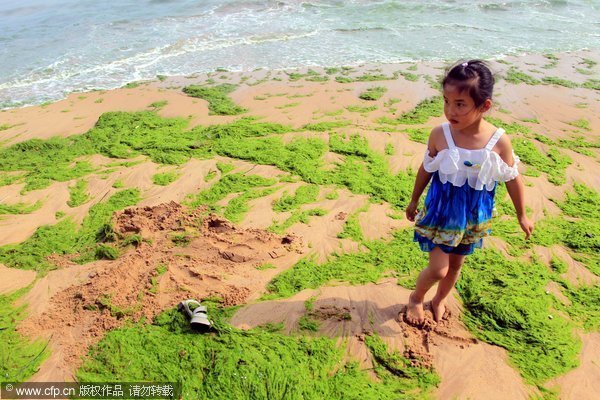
<point x="49" y="48"/>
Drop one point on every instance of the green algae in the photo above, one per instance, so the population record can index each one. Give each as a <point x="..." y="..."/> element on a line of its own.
<point x="308" y="322"/>
<point x="157" y="105"/>
<point x="231" y="183"/>
<point x="181" y="239"/>
<point x="420" y="135"/>
<point x="513" y="128"/>
<point x="580" y="144"/>
<point x="584" y="307"/>
<point x="317" y="78"/>
<point x="352" y="227"/>
<point x="435" y="84"/>
<point x="589" y="63"/>
<point x="106" y="252"/>
<point x="132" y="85"/>
<point x="122" y="135"/>
<point x="217" y="97"/>
<point x="389" y="149"/>
<point x="581" y="232"/>
<point x="248" y="187"/>
<point x="225" y="168"/>
<point x="265" y="266"/>
<point x="558" y="265"/>
<point x="19" y="208"/>
<point x="343" y="79"/>
<point x="333" y="113"/>
<point x="513" y="75"/>
<point x="410" y="77"/>
<point x="553" y="61"/>
<point x="78" y="194"/>
<point x="581" y="123"/>
<point x="303" y="195"/>
<point x="424" y="110"/>
<point x="506" y="305"/>
<point x="132" y="240"/>
<point x="333" y="195"/>
<point x="241" y="128"/>
<point x="234" y="364"/>
<point x="237" y="207"/>
<point x="364" y="171"/>
<point x="9" y="178"/>
<point x="44" y="161"/>
<point x="326" y="126"/>
<point x="399" y="255"/>
<point x="288" y="105"/>
<point x="297" y="216"/>
<point x="374" y="93"/>
<point x="19" y="357"/>
<point x="591" y="84"/>
<point x="302" y="157"/>
<point x="125" y="135"/>
<point x="553" y="163"/>
<point x="366" y="77"/>
<point x="210" y="176"/>
<point x="553" y="80"/>
<point x="361" y="109"/>
<point x="584" y="71"/>
<point x="393" y="362"/>
<point x="531" y="120"/>
<point x="65" y="237"/>
<point x="583" y="202"/>
<point x="165" y="178"/>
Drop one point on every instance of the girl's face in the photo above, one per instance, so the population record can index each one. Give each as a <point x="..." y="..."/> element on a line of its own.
<point x="460" y="109"/>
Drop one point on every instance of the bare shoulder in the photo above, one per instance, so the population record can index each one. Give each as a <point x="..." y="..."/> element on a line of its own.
<point x="504" y="148"/>
<point x="437" y="142"/>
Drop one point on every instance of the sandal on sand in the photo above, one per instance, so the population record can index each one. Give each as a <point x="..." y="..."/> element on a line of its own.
<point x="197" y="314"/>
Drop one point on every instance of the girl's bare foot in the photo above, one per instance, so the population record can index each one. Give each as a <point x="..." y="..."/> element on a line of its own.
<point x="438" y="309"/>
<point x="414" y="311"/>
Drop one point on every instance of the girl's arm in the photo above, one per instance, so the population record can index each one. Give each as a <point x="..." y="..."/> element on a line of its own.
<point x="516" y="191"/>
<point x="515" y="187"/>
<point x="421" y="182"/>
<point x="423" y="176"/>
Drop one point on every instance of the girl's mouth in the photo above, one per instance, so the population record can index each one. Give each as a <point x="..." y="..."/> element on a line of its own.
<point x="453" y="121"/>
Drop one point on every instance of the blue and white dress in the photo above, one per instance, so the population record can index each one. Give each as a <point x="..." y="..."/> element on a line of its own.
<point x="460" y="201"/>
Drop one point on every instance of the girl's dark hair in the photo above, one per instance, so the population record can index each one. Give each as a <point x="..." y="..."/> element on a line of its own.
<point x="473" y="76"/>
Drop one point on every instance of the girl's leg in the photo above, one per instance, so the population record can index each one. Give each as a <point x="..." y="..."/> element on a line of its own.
<point x="438" y="303"/>
<point x="436" y="270"/>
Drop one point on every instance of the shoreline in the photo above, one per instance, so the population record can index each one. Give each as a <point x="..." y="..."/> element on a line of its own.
<point x="359" y="65"/>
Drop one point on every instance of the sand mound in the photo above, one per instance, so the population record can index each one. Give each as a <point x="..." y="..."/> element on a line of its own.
<point x="182" y="254"/>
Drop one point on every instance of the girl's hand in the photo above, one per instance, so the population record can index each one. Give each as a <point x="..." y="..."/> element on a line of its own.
<point x="411" y="211"/>
<point x="527" y="226"/>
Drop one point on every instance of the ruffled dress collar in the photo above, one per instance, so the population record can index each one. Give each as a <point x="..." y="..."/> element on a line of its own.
<point x="480" y="168"/>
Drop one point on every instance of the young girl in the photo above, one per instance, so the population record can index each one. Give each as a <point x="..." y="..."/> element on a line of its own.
<point x="464" y="160"/>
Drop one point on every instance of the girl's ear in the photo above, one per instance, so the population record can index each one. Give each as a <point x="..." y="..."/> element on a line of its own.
<point x="486" y="106"/>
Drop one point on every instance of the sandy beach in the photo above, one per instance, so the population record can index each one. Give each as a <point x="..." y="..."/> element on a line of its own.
<point x="215" y="244"/>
